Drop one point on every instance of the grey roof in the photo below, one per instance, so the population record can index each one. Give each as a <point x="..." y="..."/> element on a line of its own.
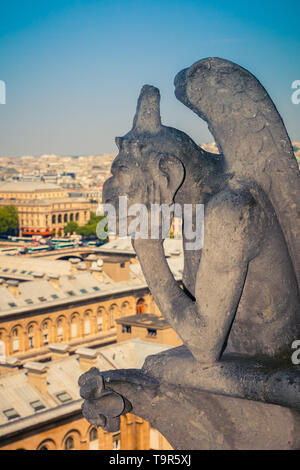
<point x="28" y="186"/>
<point x="86" y="352"/>
<point x="146" y="320"/>
<point x="59" y="347"/>
<point x="62" y="376"/>
<point x="175" y="265"/>
<point x="40" y="293"/>
<point x="31" y="265"/>
<point x="172" y="247"/>
<point x="35" y="366"/>
<point x="37" y="294"/>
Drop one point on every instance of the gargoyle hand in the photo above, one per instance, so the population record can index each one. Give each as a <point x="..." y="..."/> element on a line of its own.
<point x="102" y="407"/>
<point x="110" y="394"/>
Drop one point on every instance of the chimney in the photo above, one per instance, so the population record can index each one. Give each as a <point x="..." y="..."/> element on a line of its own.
<point x="87" y="358"/>
<point x="97" y="274"/>
<point x="74" y="262"/>
<point x="54" y="280"/>
<point x="38" y="275"/>
<point x="90" y="259"/>
<point x="37" y="375"/>
<point x="9" y="364"/>
<point x="13" y="287"/>
<point x="81" y="267"/>
<point x="59" y="351"/>
<point x="117" y="269"/>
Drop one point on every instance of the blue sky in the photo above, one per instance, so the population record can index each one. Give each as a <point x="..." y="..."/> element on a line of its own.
<point x="73" y="69"/>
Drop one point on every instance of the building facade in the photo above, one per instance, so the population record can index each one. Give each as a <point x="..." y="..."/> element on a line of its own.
<point x="79" y="307"/>
<point x="43" y="208"/>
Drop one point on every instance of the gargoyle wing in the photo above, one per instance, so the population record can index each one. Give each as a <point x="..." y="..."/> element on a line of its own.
<point x="249" y="133"/>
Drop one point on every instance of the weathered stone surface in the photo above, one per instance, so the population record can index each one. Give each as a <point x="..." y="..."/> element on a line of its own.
<point x="239" y="311"/>
<point x="196" y="408"/>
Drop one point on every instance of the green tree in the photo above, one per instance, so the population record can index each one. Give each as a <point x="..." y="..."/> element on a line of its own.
<point x="71" y="227"/>
<point x="89" y="230"/>
<point x="8" y="219"/>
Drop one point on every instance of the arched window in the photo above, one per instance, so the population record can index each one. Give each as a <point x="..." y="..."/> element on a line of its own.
<point x="69" y="444"/>
<point x="2" y="350"/>
<point x="47" y="445"/>
<point x="99" y="320"/>
<point x="31" y="337"/>
<point x="140" y="306"/>
<point x="87" y="324"/>
<point x="16" y="342"/>
<point x="125" y="308"/>
<point x="45" y="332"/>
<point x="54" y="219"/>
<point x="60" y="329"/>
<point x="77" y="216"/>
<point x="71" y="217"/>
<point x="66" y="218"/>
<point x="73" y="326"/>
<point x="94" y="443"/>
<point x="116" y="441"/>
<point x="112" y="315"/>
<point x="59" y="219"/>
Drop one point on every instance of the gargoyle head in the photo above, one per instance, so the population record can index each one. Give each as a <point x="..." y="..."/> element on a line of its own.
<point x="154" y="161"/>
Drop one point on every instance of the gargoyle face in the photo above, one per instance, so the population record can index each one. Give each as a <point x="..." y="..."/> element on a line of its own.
<point x="145" y="170"/>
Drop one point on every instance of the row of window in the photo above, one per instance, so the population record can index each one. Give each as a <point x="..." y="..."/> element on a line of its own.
<point x="70" y="442"/>
<point x="150" y="331"/>
<point x="58" y="331"/>
<point x="60" y="218"/>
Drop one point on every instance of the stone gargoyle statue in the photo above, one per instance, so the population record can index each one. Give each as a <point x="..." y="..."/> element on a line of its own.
<point x="238" y="312"/>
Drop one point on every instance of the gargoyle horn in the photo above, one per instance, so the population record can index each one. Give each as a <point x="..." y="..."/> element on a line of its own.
<point x="147" y="116"/>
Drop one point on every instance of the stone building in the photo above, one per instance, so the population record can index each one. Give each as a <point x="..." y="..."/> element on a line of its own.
<point x="147" y="327"/>
<point x="43" y="208"/>
<point x="71" y="302"/>
<point x="40" y="406"/>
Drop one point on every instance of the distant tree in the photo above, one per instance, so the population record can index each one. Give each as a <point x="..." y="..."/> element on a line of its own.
<point x="94" y="219"/>
<point x="8" y="219"/>
<point x="89" y="230"/>
<point x="71" y="227"/>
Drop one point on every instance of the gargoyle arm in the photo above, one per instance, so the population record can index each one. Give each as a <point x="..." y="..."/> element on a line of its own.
<point x="230" y="242"/>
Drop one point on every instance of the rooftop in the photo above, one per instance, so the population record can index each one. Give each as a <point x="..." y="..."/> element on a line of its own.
<point x="172" y="247"/>
<point x="28" y="186"/>
<point x="41" y="293"/>
<point x="22" y="405"/>
<point x="24" y="266"/>
<point x="146" y="320"/>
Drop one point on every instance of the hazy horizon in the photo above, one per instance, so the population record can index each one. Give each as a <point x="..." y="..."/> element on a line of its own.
<point x="74" y="69"/>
